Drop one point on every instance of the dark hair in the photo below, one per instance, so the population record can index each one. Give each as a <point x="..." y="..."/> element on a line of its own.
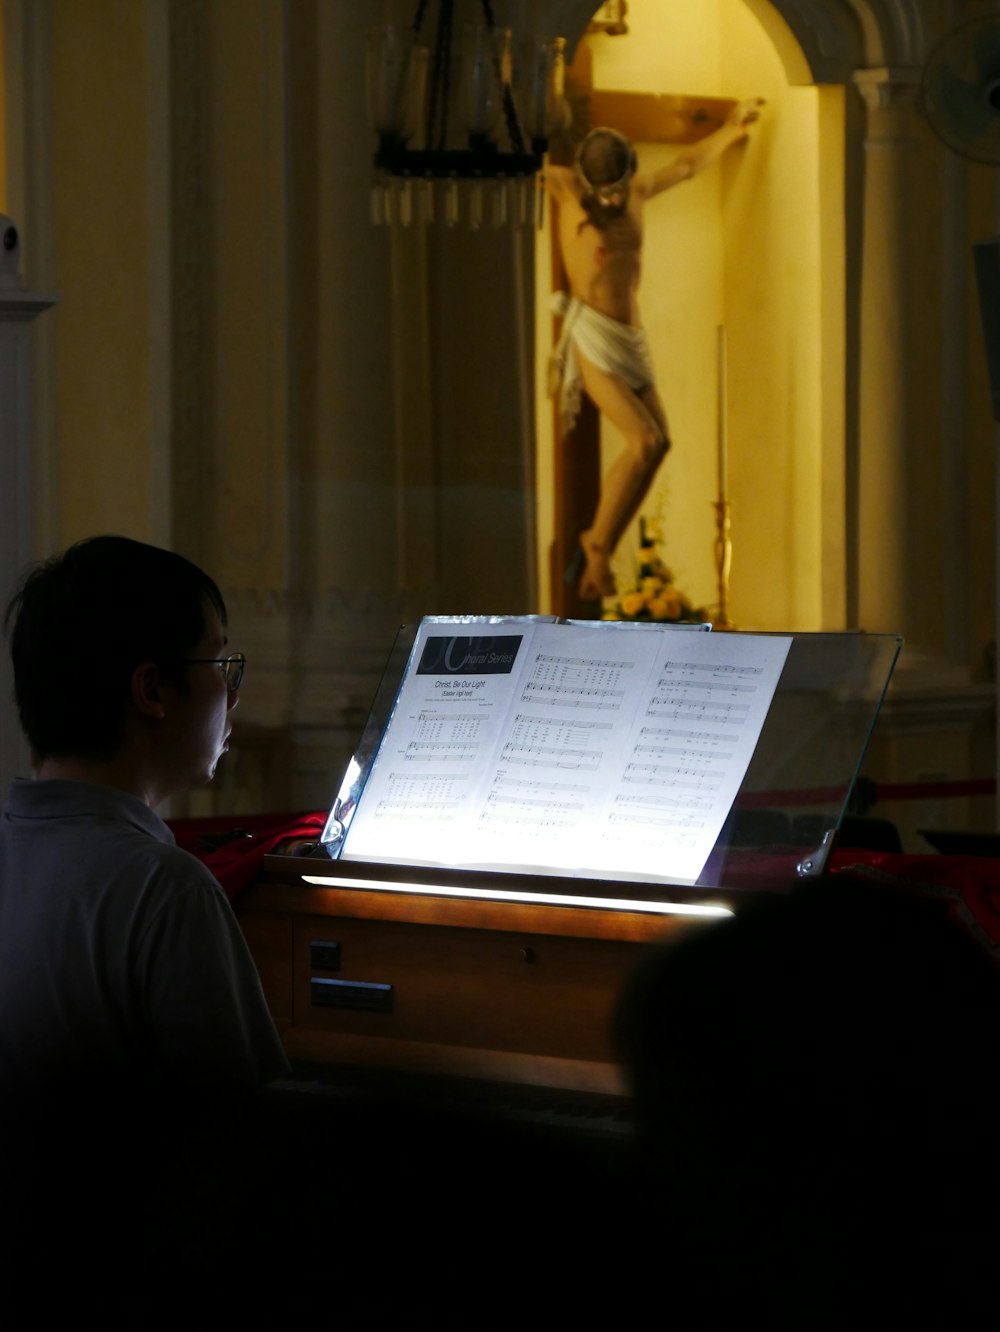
<point x="803" y="1074"/>
<point x="605" y="157"/>
<point x="79" y="625"/>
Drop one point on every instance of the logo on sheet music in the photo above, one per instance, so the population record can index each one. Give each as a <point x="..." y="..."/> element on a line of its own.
<point x="493" y="655"/>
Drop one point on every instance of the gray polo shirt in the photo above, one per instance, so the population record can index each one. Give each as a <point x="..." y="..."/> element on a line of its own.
<point x="119" y="952"/>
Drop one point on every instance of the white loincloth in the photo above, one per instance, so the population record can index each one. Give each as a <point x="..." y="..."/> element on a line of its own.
<point x="607" y="343"/>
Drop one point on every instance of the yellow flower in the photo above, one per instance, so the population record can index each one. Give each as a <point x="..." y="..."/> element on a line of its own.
<point x="659" y="608"/>
<point x="632" y="603"/>
<point x="674" y="603"/>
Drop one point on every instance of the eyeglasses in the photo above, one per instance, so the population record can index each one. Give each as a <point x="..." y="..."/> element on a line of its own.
<point x="233" y="667"/>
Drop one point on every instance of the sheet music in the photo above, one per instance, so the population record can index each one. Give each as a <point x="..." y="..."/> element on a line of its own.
<point x="546" y="746"/>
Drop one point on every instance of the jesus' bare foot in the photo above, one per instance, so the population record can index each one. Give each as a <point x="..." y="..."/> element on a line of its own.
<point x="597" y="580"/>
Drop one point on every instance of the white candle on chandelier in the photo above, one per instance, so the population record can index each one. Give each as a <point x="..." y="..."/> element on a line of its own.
<point x="722" y="422"/>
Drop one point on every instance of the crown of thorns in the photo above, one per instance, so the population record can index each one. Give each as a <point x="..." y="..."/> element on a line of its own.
<point x="625" y="153"/>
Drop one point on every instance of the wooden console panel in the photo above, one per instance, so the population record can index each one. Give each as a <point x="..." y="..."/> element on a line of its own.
<point x="516" y="992"/>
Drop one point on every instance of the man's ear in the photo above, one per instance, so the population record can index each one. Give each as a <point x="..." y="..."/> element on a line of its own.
<point x="147" y="694"/>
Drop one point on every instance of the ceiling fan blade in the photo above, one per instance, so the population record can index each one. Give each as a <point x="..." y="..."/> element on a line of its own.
<point x="960" y="89"/>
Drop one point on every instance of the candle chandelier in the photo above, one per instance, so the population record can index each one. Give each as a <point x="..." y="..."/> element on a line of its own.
<point x="463" y="119"/>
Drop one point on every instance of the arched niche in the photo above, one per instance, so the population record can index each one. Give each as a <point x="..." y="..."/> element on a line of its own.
<point x="743" y="296"/>
<point x="819" y="41"/>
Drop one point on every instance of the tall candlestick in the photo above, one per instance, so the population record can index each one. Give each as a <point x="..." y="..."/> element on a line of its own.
<point x="723" y="562"/>
<point x="723" y="441"/>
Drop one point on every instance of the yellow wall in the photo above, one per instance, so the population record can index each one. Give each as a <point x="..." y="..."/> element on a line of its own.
<point x="776" y="315"/>
<point x="100" y="228"/>
<point x="244" y="207"/>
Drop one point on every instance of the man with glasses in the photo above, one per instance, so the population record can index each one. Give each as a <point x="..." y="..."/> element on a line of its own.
<point x="125" y="980"/>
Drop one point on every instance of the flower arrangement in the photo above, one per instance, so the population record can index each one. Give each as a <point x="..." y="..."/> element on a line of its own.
<point x="654" y="595"/>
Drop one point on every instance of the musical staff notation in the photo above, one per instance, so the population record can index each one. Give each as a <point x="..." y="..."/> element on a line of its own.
<point x="657" y="821"/>
<point x="435" y="727"/>
<point x="664" y="774"/>
<point x="684" y="751"/>
<point x="549" y="756"/>
<point x="697" y="710"/>
<point x="716" y="670"/>
<point x="439" y="753"/>
<point x="576" y="696"/>
<point x="612" y="750"/>
<point x="440" y="811"/>
<point x="558" y="789"/>
<point x="536" y="812"/>
<point x="658" y="802"/>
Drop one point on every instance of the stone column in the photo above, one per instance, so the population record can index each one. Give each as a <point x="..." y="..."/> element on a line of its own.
<point x="18" y="311"/>
<point x="885" y="435"/>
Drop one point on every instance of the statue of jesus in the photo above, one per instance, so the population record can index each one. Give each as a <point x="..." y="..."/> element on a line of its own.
<point x="603" y="349"/>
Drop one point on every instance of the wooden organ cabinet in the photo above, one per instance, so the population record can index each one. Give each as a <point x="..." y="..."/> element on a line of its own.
<point x="494" y="990"/>
<point x="377" y="949"/>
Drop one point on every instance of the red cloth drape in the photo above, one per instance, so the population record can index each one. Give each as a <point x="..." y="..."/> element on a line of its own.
<point x="236" y="862"/>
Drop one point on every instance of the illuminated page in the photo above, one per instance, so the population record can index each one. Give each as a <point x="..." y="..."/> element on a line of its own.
<point x="688" y="749"/>
<point x="446" y="727"/>
<point x="607" y="752"/>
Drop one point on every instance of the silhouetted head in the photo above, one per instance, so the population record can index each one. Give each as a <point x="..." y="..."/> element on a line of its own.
<point x="80" y="624"/>
<point x="810" y="1077"/>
